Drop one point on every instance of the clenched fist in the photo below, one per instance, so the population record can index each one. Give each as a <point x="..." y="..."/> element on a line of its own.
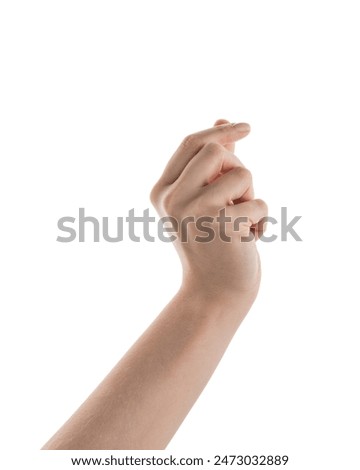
<point x="208" y="195"/>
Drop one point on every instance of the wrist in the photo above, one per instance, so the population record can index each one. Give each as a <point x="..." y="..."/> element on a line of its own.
<point x="217" y="299"/>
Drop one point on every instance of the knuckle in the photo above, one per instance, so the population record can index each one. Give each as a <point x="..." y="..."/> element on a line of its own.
<point x="213" y="148"/>
<point x="262" y="205"/>
<point x="243" y="173"/>
<point x="213" y="151"/>
<point x="247" y="174"/>
<point x="154" y="194"/>
<point x="170" y="203"/>
<point x="191" y="140"/>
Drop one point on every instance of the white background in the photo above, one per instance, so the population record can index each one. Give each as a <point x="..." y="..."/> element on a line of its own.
<point x="95" y="97"/>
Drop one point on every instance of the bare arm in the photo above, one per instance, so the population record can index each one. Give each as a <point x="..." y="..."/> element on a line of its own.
<point x="144" y="399"/>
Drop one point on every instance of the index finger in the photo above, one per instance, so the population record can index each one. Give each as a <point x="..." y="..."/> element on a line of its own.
<point x="220" y="122"/>
<point x="193" y="143"/>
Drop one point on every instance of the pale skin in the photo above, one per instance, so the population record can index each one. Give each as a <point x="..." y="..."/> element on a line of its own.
<point x="144" y="399"/>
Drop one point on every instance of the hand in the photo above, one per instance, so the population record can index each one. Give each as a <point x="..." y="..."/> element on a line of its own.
<point x="202" y="178"/>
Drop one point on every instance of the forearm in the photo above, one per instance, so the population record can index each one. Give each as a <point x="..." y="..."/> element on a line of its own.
<point x="144" y="399"/>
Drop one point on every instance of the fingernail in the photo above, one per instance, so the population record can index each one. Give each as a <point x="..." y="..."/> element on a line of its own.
<point x="244" y="126"/>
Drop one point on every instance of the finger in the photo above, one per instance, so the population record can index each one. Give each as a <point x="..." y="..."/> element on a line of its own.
<point x="254" y="210"/>
<point x="211" y="162"/>
<point x="193" y="143"/>
<point x="231" y="146"/>
<point x="235" y="185"/>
